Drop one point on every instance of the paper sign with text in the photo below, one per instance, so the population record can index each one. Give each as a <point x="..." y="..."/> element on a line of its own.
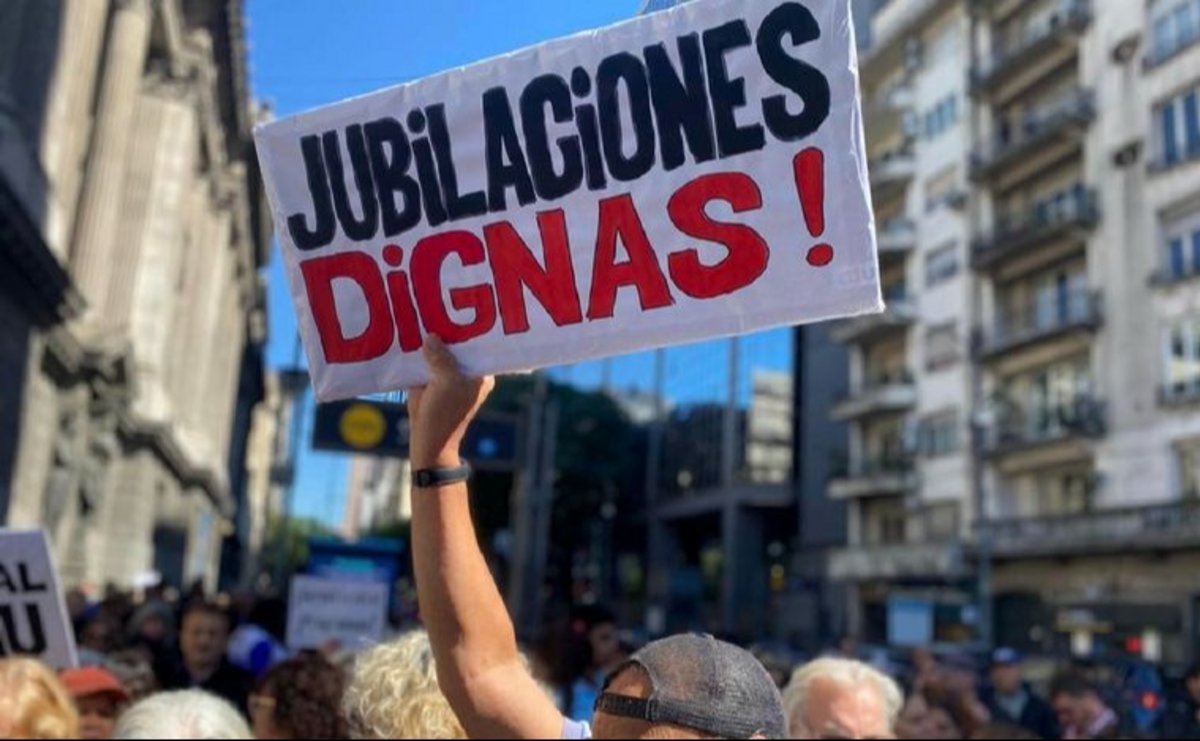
<point x="690" y="174"/>
<point x="33" y="616"/>
<point x="351" y="613"/>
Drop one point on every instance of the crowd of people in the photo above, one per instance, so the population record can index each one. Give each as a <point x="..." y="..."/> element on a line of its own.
<point x="189" y="668"/>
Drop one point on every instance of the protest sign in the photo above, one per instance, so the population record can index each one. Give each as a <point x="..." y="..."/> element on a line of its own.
<point x="691" y="174"/>
<point x="33" y="616"/>
<point x="350" y="613"/>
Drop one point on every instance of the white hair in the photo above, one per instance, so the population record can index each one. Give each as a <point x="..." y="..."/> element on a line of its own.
<point x="844" y="673"/>
<point x="190" y="714"/>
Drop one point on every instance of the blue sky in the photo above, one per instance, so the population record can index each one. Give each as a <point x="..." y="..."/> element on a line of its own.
<point x="308" y="53"/>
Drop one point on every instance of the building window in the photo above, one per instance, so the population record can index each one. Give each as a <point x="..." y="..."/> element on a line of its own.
<point x="1179" y="129"/>
<point x="1183" y="359"/>
<point x="940" y="435"/>
<point x="941" y="189"/>
<point x="1065" y="494"/>
<point x="1183" y="248"/>
<point x="1176" y="26"/>
<point x="1188" y="456"/>
<point x="942" y="117"/>
<point x="941" y="265"/>
<point x="941" y="346"/>
<point x="892" y="526"/>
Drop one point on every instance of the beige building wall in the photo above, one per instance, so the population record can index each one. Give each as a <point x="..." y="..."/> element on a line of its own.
<point x="139" y="179"/>
<point x="1066" y="313"/>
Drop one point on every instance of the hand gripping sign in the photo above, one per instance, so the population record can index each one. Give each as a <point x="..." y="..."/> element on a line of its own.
<point x="686" y="175"/>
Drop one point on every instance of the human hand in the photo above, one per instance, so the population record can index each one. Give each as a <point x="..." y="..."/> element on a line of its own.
<point x="441" y="412"/>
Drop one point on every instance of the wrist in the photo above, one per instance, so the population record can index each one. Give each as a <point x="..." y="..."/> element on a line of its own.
<point x="447" y="458"/>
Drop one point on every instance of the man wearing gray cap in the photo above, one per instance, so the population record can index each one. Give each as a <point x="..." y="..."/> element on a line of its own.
<point x="683" y="687"/>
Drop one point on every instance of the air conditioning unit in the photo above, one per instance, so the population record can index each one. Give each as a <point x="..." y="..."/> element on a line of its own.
<point x="913" y="53"/>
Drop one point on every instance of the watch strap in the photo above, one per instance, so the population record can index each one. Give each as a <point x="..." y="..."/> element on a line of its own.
<point x="435" y="478"/>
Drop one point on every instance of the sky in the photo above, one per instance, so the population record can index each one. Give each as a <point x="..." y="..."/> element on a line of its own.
<point x="308" y="53"/>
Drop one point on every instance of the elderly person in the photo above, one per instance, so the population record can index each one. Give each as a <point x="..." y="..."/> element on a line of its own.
<point x="394" y="693"/>
<point x="841" y="698"/>
<point x="35" y="704"/>
<point x="188" y="714"/>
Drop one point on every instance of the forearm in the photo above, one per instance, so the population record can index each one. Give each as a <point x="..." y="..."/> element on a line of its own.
<point x="463" y="611"/>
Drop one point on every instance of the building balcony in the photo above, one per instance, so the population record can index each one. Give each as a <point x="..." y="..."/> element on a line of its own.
<point x="1180" y="395"/>
<point x="903" y="561"/>
<point x="897" y="239"/>
<point x="885" y="113"/>
<point x="900" y="314"/>
<point x="1043" y="130"/>
<point x="876" y="478"/>
<point x="1022" y="430"/>
<point x="1062" y="29"/>
<point x="883" y="395"/>
<point x="1072" y="218"/>
<point x="1040" y="324"/>
<point x="1153" y="528"/>
<point x="892" y="172"/>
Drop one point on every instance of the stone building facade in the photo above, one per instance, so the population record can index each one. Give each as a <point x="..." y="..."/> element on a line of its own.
<point x="132" y="311"/>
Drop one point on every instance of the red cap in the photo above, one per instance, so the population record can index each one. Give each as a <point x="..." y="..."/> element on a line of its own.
<point x="91" y="681"/>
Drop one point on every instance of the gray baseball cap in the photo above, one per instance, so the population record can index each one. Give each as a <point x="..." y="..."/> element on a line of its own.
<point x="705" y="685"/>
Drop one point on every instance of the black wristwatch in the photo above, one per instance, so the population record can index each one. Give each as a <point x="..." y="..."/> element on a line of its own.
<point x="436" y="478"/>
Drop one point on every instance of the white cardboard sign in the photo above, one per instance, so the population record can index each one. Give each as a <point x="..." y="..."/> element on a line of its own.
<point x="690" y="174"/>
<point x="352" y="614"/>
<point x="33" y="615"/>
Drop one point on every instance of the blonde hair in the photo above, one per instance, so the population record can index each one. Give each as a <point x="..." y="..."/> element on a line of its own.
<point x="36" y="705"/>
<point x="845" y="673"/>
<point x="394" y="693"/>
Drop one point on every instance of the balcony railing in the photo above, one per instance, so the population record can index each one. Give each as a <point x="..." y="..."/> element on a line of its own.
<point x="1041" y="322"/>
<point x="903" y="561"/>
<point x="1159" y="527"/>
<point x="1180" y="394"/>
<point x="1077" y="210"/>
<point x="1022" y="429"/>
<point x="895" y="476"/>
<point x="1067" y="116"/>
<point x="1070" y="18"/>
<point x="897" y="238"/>
<point x="899" y="314"/>
<point x="882" y="394"/>
<point x="892" y="171"/>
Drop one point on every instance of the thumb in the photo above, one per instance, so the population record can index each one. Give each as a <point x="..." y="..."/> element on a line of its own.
<point x="438" y="356"/>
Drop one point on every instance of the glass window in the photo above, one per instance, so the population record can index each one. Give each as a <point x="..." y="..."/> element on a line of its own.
<point x="1191" y="122"/>
<point x="1179" y="267"/>
<point x="941" y="265"/>
<point x="941" y="346"/>
<point x="1182" y="241"/>
<point x="1183" y="362"/>
<point x="1189" y="469"/>
<point x="1169" y="138"/>
<point x="940" y="434"/>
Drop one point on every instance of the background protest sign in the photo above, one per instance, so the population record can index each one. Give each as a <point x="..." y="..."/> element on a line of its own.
<point x="33" y="616"/>
<point x="320" y="610"/>
<point x="690" y="174"/>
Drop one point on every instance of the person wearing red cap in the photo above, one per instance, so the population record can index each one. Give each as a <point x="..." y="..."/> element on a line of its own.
<point x="99" y="698"/>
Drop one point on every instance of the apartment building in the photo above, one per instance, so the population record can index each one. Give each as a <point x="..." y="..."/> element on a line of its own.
<point x="908" y="473"/>
<point x="1038" y="200"/>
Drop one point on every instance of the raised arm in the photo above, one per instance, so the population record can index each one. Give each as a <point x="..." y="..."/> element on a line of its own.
<point x="474" y="643"/>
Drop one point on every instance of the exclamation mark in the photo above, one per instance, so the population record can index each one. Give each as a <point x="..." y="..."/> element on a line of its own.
<point x="809" y="169"/>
